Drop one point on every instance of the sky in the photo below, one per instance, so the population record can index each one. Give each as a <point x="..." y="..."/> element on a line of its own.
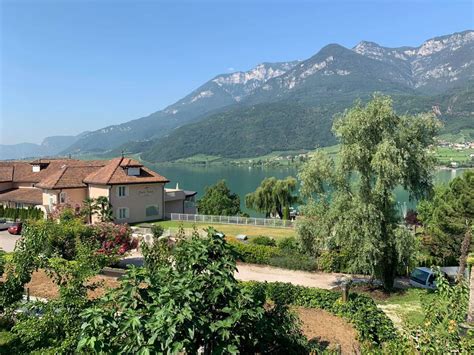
<point x="68" y="66"/>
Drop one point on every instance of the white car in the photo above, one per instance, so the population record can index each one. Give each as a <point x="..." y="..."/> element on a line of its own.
<point x="424" y="277"/>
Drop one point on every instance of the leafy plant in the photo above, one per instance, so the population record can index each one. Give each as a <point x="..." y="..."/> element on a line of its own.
<point x="263" y="240"/>
<point x="219" y="200"/>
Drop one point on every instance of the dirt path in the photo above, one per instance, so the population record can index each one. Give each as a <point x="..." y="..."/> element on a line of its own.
<point x="251" y="272"/>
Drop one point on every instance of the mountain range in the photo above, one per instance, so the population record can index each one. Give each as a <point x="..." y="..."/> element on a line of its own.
<point x="291" y="105"/>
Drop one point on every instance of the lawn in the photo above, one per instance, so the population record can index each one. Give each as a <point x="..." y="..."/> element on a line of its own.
<point x="233" y="229"/>
<point x="405" y="306"/>
<point x="446" y="155"/>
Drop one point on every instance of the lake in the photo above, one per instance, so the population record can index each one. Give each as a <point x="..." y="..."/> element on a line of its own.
<point x="243" y="179"/>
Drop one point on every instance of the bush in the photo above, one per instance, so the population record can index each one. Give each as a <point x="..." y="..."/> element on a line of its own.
<point x="263" y="240"/>
<point x="371" y="323"/>
<point x="288" y="245"/>
<point x="332" y="261"/>
<point x="157" y="230"/>
<point x="273" y="256"/>
<point x="20" y="213"/>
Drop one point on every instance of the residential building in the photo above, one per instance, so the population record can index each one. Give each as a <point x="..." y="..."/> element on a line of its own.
<point x="135" y="192"/>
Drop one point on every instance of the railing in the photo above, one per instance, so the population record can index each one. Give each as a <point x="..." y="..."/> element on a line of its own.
<point x="250" y="221"/>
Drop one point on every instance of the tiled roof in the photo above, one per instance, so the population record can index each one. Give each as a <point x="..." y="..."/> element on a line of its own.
<point x="25" y="195"/>
<point x="115" y="172"/>
<point x="71" y="173"/>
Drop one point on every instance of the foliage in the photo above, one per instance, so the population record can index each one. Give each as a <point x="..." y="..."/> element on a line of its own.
<point x="104" y="209"/>
<point x="190" y="302"/>
<point x="218" y="200"/>
<point x="20" y="213"/>
<point x="370" y="322"/>
<point x="448" y="219"/>
<point x="273" y="256"/>
<point x="440" y="332"/>
<point x="272" y="196"/>
<point x="288" y="245"/>
<point x="350" y="201"/>
<point x="263" y="240"/>
<point x="157" y="230"/>
<point x="113" y="238"/>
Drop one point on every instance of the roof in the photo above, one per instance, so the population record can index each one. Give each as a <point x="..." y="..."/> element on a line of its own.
<point x="115" y="172"/>
<point x="72" y="173"/>
<point x="25" y="195"/>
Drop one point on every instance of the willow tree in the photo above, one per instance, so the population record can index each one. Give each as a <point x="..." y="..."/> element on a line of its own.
<point x="351" y="202"/>
<point x="273" y="196"/>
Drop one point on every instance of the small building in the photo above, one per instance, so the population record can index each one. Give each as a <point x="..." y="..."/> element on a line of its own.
<point x="135" y="192"/>
<point x="179" y="201"/>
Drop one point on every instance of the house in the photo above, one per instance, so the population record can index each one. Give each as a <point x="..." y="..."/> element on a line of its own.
<point x="180" y="201"/>
<point x="135" y="192"/>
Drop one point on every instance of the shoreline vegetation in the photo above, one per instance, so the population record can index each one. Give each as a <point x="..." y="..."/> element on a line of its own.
<point x="444" y="155"/>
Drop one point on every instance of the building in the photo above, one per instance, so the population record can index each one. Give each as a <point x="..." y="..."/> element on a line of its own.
<point x="135" y="192"/>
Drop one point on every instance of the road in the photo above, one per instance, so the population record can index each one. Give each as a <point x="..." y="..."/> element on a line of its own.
<point x="7" y="241"/>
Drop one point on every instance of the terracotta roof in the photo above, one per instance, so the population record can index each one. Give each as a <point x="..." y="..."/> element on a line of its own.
<point x="26" y="195"/>
<point x="70" y="173"/>
<point x="6" y="173"/>
<point x="115" y="172"/>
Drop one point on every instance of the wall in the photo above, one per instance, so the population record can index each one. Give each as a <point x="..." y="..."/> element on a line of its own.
<point x="75" y="196"/>
<point x="138" y="198"/>
<point x="95" y="191"/>
<point x="175" y="206"/>
<point x="23" y="184"/>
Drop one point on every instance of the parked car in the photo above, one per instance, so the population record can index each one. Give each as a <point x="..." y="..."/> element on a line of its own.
<point x="4" y="224"/>
<point x="15" y="229"/>
<point x="424" y="277"/>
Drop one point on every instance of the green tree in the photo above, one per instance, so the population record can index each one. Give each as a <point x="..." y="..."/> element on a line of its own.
<point x="448" y="220"/>
<point x="88" y="209"/>
<point x="351" y="203"/>
<point x="104" y="208"/>
<point x="219" y="200"/>
<point x="273" y="196"/>
<point x="190" y="301"/>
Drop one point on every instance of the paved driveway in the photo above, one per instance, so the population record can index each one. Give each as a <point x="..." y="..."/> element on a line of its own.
<point x="7" y="241"/>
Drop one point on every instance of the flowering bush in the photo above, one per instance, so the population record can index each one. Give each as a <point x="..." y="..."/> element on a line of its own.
<point x="114" y="238"/>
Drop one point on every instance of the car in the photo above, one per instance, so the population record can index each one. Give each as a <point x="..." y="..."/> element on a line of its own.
<point x="241" y="237"/>
<point x="15" y="228"/>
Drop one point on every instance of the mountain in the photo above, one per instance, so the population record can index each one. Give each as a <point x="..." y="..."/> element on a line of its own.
<point x="49" y="147"/>
<point x="295" y="110"/>
<point x="219" y="92"/>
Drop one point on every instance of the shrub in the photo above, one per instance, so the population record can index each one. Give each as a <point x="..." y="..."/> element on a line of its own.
<point x="157" y="230"/>
<point x="288" y="244"/>
<point x="372" y="325"/>
<point x="332" y="261"/>
<point x="254" y="253"/>
<point x="20" y="213"/>
<point x="263" y="240"/>
<point x="294" y="262"/>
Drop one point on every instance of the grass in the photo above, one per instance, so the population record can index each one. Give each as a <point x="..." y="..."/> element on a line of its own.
<point x="406" y="305"/>
<point x="446" y="155"/>
<point x="232" y="229"/>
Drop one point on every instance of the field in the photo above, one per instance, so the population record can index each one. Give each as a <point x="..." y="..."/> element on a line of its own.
<point x="447" y="155"/>
<point x="233" y="229"/>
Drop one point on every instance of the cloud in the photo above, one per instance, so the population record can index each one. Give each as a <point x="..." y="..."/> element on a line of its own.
<point x="231" y="69"/>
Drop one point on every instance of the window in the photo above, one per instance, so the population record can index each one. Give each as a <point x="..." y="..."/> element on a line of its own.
<point x="62" y="197"/>
<point x="122" y="191"/>
<point x="122" y="213"/>
<point x="151" y="211"/>
<point x="133" y="171"/>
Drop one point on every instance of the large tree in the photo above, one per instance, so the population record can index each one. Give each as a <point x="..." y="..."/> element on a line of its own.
<point x="219" y="200"/>
<point x="448" y="220"/>
<point x="273" y="196"/>
<point x="351" y="202"/>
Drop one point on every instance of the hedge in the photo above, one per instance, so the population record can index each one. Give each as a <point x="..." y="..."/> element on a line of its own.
<point x="20" y="213"/>
<point x="372" y="324"/>
<point x="273" y="256"/>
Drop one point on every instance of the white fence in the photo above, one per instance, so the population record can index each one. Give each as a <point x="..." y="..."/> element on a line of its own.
<point x="262" y="222"/>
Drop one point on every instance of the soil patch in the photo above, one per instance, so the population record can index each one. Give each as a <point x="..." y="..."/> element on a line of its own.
<point x="42" y="286"/>
<point x="330" y="331"/>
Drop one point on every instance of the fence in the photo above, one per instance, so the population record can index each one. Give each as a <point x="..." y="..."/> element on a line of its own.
<point x="250" y="221"/>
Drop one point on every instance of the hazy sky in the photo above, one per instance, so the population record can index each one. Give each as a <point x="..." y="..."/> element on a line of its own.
<point x="76" y="65"/>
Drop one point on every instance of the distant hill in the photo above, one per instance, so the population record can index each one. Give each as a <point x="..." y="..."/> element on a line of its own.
<point x="291" y="105"/>
<point x="50" y="146"/>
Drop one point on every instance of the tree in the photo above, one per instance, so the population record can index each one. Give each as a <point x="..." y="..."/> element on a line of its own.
<point x="448" y="220"/>
<point x="219" y="200"/>
<point x="188" y="301"/>
<point x="273" y="196"/>
<point x="350" y="200"/>
<point x="88" y="208"/>
<point x="103" y="206"/>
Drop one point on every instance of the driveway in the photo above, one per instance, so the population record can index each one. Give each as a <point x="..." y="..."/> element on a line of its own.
<point x="7" y="241"/>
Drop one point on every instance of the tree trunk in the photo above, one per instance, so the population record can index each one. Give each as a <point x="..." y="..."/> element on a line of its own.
<point x="466" y="243"/>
